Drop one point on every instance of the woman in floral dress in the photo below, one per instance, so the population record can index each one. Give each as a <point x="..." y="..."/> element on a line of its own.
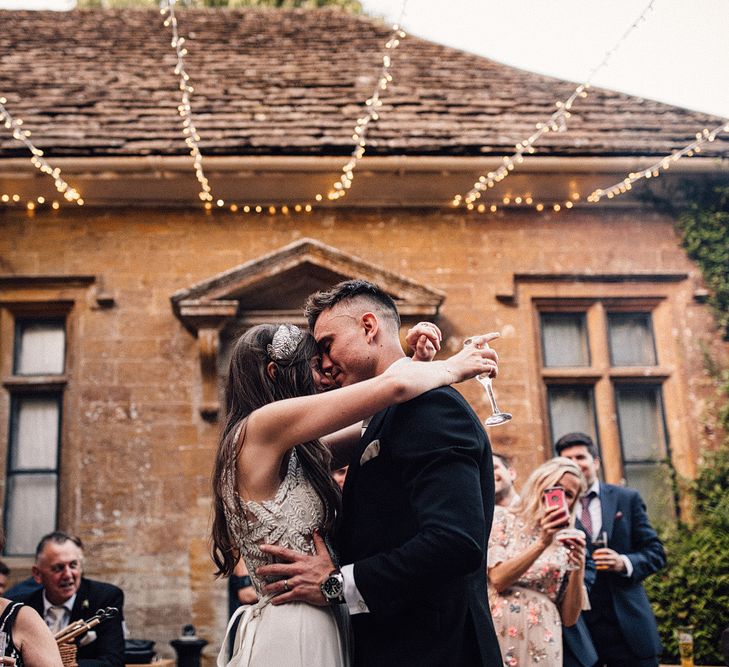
<point x="532" y="592"/>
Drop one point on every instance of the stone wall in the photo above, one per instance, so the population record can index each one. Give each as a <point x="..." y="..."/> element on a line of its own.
<point x="136" y="454"/>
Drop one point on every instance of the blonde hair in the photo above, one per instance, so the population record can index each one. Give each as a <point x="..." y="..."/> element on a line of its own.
<point x="530" y="507"/>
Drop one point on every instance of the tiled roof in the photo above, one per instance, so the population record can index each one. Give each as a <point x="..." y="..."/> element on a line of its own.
<point x="292" y="82"/>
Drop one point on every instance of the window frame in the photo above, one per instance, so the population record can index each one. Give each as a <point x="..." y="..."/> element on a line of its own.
<point x="603" y="377"/>
<point x="41" y="385"/>
<point x="565" y="313"/>
<point x="17" y="335"/>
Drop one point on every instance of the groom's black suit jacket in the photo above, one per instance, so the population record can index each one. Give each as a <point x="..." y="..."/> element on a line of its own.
<point x="416" y="521"/>
<point x="107" y="650"/>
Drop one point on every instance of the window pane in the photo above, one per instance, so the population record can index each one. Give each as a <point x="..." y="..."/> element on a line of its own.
<point x="653" y="482"/>
<point x="631" y="339"/>
<point x="571" y="408"/>
<point x="31" y="511"/>
<point x="40" y="348"/>
<point x="640" y="416"/>
<point x="564" y="339"/>
<point x="34" y="443"/>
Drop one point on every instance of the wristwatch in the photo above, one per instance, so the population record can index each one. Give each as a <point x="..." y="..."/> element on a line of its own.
<point x="332" y="588"/>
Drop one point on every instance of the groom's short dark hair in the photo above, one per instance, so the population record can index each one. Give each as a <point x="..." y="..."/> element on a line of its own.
<point x="347" y="290"/>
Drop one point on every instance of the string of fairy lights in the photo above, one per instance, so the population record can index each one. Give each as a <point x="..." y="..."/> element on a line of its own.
<point x="371" y="115"/>
<point x="557" y="122"/>
<point x="704" y="137"/>
<point x="15" y="125"/>
<point x="189" y="130"/>
<point x="372" y="110"/>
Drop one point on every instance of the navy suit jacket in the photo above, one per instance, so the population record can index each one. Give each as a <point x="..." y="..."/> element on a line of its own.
<point x="622" y="599"/>
<point x="416" y="520"/>
<point x="578" y="649"/>
<point x="107" y="650"/>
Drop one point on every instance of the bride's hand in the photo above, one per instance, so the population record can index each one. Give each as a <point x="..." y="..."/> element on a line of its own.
<point x="475" y="359"/>
<point x="424" y="339"/>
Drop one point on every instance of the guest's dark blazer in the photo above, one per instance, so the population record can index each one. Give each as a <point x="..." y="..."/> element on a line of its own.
<point x="577" y="647"/>
<point x="417" y="516"/>
<point x="620" y="599"/>
<point x="22" y="589"/>
<point x="107" y="650"/>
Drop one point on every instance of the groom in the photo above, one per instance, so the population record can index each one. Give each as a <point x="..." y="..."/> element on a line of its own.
<point x="417" y="507"/>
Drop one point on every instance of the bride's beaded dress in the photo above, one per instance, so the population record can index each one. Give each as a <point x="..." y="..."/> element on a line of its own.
<point x="294" y="634"/>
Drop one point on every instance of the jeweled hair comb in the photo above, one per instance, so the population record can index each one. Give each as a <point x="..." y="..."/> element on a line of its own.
<point x="284" y="343"/>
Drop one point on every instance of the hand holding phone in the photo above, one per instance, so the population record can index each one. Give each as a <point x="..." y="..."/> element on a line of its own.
<point x="554" y="497"/>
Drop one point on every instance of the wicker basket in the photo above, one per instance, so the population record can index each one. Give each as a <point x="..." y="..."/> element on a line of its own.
<point x="68" y="653"/>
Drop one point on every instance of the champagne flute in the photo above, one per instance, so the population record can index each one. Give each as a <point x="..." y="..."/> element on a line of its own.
<point x="497" y="416"/>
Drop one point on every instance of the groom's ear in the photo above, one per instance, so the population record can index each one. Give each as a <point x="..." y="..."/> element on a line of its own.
<point x="370" y="325"/>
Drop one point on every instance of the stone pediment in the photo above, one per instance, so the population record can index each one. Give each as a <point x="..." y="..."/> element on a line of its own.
<point x="274" y="288"/>
<point x="278" y="284"/>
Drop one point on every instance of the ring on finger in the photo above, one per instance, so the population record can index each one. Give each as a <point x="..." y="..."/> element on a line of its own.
<point x="286" y="585"/>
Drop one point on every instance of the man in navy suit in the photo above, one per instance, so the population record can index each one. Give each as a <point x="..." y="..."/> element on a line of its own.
<point x="417" y="506"/>
<point x="65" y="596"/>
<point x="621" y="622"/>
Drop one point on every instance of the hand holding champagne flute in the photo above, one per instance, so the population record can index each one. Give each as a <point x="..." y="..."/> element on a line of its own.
<point x="497" y="416"/>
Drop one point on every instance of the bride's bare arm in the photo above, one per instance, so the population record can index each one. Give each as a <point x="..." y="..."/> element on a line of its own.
<point x="283" y="424"/>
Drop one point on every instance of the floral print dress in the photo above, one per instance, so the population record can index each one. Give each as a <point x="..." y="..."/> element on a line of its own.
<point x="525" y="615"/>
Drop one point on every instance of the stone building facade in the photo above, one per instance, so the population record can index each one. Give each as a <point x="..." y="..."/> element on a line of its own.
<point x="137" y="295"/>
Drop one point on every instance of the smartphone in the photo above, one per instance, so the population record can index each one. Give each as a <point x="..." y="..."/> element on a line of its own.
<point x="554" y="497"/>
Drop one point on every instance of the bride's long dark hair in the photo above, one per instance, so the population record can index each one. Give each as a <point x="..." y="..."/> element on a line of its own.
<point x="249" y="387"/>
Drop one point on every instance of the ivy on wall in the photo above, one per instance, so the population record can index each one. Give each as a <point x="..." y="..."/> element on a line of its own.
<point x="704" y="227"/>
<point x="694" y="587"/>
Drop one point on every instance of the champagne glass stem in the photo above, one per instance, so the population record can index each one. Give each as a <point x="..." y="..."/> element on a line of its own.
<point x="496" y="417"/>
<point x="489" y="387"/>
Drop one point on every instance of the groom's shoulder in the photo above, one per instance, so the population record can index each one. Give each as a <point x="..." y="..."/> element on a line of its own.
<point x="443" y="398"/>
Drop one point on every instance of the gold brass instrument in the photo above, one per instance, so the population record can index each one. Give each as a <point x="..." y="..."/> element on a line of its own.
<point x="65" y="637"/>
<point x="70" y="632"/>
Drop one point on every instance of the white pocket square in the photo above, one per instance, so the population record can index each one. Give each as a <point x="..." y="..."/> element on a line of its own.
<point x="371" y="451"/>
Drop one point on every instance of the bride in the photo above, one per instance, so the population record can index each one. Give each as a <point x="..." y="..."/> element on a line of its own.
<point x="272" y="482"/>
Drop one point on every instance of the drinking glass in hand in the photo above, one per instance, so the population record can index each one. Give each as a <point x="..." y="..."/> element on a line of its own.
<point x="600" y="542"/>
<point x="566" y="537"/>
<point x="496" y="417"/>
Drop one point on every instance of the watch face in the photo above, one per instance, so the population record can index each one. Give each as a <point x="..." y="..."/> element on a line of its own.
<point x="332" y="588"/>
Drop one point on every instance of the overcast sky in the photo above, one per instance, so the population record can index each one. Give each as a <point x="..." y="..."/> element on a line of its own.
<point x="678" y="55"/>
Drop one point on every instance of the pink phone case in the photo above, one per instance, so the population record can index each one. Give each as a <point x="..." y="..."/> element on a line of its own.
<point x="554" y="497"/>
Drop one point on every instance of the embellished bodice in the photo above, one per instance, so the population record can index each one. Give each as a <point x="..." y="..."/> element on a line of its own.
<point x="288" y="519"/>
